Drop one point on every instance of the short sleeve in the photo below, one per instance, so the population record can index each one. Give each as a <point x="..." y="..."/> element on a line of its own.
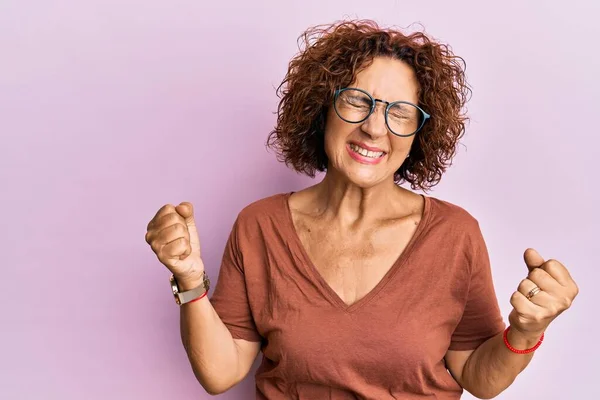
<point x="230" y="296"/>
<point x="481" y="318"/>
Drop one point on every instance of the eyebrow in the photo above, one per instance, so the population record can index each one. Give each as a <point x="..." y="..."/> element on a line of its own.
<point x="380" y="99"/>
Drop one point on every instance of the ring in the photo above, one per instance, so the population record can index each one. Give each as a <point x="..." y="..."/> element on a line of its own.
<point x="533" y="292"/>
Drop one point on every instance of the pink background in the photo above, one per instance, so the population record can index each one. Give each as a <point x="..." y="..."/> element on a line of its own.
<point x="110" y="109"/>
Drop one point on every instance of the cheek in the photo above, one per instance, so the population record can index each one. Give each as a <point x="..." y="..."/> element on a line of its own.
<point x="401" y="146"/>
<point x="336" y="135"/>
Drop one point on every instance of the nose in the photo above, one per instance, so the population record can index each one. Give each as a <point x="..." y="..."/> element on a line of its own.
<point x="374" y="125"/>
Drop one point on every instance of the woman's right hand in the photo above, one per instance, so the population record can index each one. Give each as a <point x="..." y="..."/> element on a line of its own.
<point x="173" y="236"/>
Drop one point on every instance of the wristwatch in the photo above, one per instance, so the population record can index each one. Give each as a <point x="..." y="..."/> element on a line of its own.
<point x="189" y="295"/>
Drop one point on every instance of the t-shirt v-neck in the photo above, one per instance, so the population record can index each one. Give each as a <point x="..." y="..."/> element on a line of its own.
<point x="391" y="343"/>
<point x="327" y="290"/>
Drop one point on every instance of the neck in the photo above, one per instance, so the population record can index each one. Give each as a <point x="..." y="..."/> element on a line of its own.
<point x="348" y="204"/>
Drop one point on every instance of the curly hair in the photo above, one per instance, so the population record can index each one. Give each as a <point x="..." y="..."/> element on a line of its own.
<point x="333" y="55"/>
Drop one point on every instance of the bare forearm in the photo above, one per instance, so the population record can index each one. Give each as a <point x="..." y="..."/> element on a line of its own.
<point x="493" y="367"/>
<point x="209" y="345"/>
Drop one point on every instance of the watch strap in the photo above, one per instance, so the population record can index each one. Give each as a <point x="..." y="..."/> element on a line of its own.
<point x="189" y="295"/>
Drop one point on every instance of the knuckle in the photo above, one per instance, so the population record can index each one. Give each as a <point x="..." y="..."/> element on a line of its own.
<point x="155" y="247"/>
<point x="536" y="274"/>
<point x="553" y="309"/>
<point x="514" y="297"/>
<point x="538" y="317"/>
<point x="180" y="229"/>
<point x="523" y="284"/>
<point x="551" y="265"/>
<point x="175" y="218"/>
<point x="165" y="217"/>
<point x="168" y="207"/>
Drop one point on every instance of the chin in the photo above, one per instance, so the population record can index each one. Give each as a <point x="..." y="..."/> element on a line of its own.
<point x="364" y="179"/>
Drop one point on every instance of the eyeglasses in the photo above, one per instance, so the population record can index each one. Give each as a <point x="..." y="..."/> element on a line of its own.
<point x="402" y="118"/>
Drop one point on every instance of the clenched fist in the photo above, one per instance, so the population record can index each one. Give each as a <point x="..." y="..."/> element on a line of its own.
<point x="547" y="291"/>
<point x="173" y="236"/>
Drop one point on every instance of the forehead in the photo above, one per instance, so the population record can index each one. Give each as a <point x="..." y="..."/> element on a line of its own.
<point x="389" y="79"/>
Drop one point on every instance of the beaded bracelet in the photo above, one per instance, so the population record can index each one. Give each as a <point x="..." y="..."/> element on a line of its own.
<point x="526" y="351"/>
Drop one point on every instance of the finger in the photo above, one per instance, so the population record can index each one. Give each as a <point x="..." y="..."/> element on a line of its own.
<point x="545" y="281"/>
<point x="162" y="237"/>
<point x="533" y="259"/>
<point x="525" y="286"/>
<point x="161" y="224"/>
<point x="541" y="298"/>
<point x="175" y="248"/>
<point x="546" y="301"/>
<point x="186" y="210"/>
<point x="523" y="306"/>
<point x="166" y="209"/>
<point x="174" y="232"/>
<point x="557" y="271"/>
<point x="167" y="220"/>
<point x="528" y="312"/>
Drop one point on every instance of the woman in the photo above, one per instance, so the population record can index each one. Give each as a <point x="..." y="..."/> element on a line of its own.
<point x="356" y="287"/>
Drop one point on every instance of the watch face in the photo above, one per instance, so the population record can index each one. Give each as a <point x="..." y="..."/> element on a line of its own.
<point x="175" y="289"/>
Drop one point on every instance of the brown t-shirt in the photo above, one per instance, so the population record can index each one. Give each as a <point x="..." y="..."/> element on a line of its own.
<point x="390" y="344"/>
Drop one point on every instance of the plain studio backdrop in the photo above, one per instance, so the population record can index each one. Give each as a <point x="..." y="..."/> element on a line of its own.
<point x="111" y="109"/>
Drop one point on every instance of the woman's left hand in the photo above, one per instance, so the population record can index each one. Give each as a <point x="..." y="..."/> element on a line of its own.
<point x="534" y="310"/>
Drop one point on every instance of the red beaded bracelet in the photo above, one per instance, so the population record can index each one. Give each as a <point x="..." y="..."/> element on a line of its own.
<point x="198" y="298"/>
<point x="526" y="351"/>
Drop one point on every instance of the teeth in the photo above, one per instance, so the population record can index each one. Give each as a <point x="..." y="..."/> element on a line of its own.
<point x="365" y="152"/>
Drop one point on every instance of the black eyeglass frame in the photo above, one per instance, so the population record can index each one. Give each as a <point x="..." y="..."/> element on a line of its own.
<point x="388" y="104"/>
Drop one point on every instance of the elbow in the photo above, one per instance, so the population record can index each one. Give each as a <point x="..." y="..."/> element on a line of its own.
<point x="214" y="391"/>
<point x="484" y="394"/>
<point x="485" y="390"/>
<point x="212" y="385"/>
<point x="215" y="388"/>
<point x="487" y="396"/>
<point x="214" y="380"/>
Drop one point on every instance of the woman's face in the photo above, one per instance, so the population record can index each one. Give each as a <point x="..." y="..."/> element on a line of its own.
<point x="387" y="79"/>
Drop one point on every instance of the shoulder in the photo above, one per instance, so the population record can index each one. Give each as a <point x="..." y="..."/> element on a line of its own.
<point x="452" y="216"/>
<point x="263" y="212"/>
<point x="447" y="210"/>
<point x="264" y="207"/>
<point x="260" y="224"/>
<point x="454" y="225"/>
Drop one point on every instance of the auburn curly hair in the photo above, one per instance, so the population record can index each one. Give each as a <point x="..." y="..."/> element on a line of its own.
<point x="332" y="57"/>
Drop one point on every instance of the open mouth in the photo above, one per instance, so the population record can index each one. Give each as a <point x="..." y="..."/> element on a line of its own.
<point x="366" y="153"/>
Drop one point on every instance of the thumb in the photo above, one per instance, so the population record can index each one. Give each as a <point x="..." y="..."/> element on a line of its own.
<point x="186" y="210"/>
<point x="533" y="259"/>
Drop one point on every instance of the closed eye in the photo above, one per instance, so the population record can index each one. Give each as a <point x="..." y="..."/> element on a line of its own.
<point x="357" y="101"/>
